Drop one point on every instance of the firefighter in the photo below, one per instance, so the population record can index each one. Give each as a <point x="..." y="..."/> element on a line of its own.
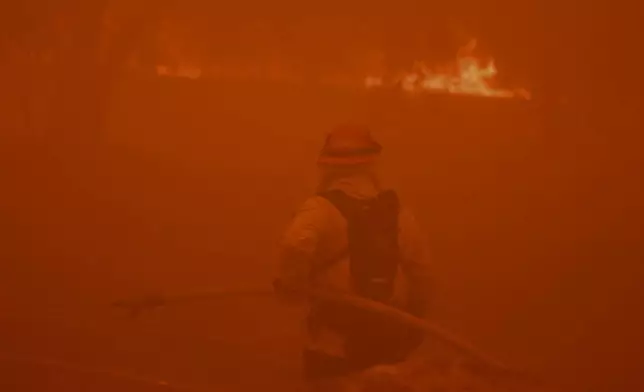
<point x="354" y="237"/>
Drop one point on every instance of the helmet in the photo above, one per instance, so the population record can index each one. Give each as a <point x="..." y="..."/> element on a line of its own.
<point x="349" y="145"/>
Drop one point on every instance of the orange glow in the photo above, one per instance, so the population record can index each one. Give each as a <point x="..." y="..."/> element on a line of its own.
<point x="468" y="76"/>
<point x="182" y="71"/>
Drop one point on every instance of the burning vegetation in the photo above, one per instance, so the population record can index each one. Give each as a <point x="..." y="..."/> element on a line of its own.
<point x="466" y="74"/>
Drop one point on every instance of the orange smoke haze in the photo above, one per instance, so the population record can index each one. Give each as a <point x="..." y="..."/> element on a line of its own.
<point x="467" y="75"/>
<point x="161" y="147"/>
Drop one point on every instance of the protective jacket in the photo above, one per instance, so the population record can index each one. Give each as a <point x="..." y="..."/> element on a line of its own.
<point x="355" y="238"/>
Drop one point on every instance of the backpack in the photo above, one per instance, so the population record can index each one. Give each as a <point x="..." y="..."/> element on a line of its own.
<point x="373" y="241"/>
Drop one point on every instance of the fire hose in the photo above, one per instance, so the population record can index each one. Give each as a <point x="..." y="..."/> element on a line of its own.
<point x="137" y="306"/>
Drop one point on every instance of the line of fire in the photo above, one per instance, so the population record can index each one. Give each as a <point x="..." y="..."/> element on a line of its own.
<point x="323" y="196"/>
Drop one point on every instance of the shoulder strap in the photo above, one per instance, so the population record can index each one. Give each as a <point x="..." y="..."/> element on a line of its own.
<point x="390" y="197"/>
<point x="345" y="204"/>
<point x="341" y="201"/>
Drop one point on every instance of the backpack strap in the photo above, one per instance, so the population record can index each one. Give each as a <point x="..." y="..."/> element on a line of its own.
<point x="346" y="205"/>
<point x="342" y="202"/>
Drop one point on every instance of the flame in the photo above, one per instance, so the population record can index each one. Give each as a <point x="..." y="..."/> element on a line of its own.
<point x="468" y="76"/>
<point x="181" y="71"/>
